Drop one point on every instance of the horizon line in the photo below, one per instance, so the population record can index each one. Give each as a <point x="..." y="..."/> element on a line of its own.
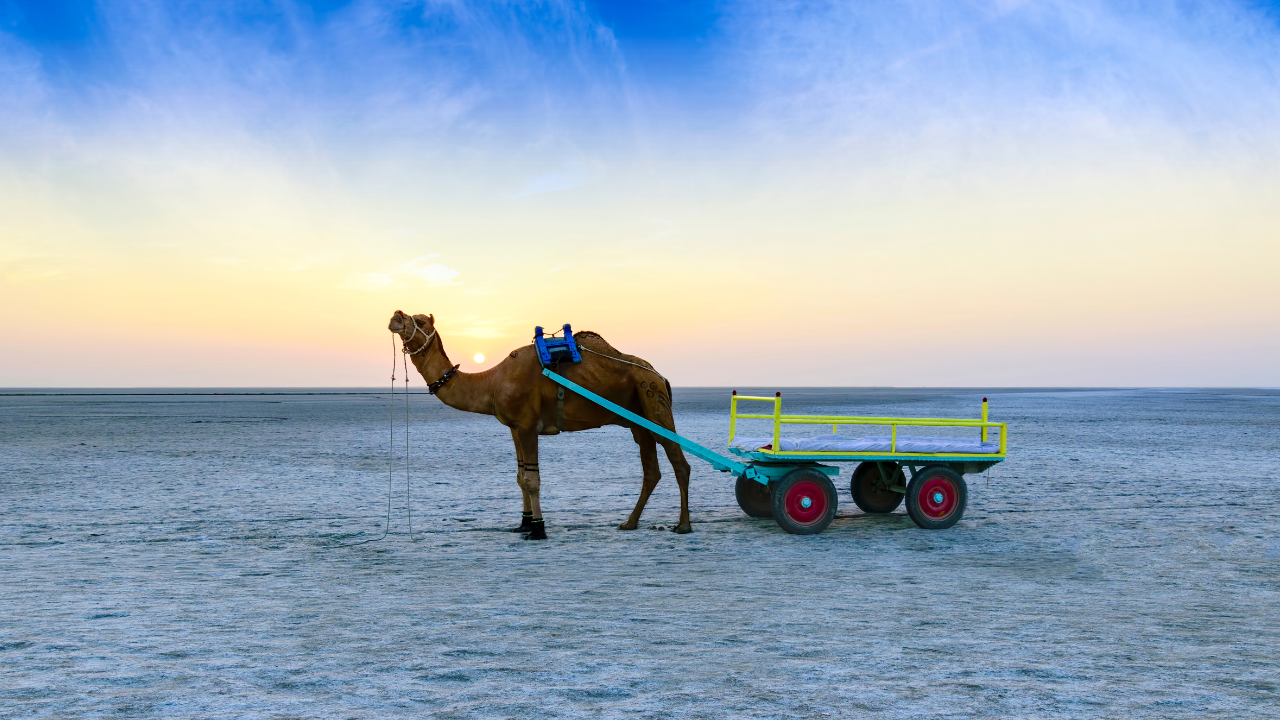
<point x="359" y="390"/>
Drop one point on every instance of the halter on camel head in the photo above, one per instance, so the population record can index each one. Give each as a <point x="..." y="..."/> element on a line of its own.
<point x="413" y="322"/>
<point x="399" y="319"/>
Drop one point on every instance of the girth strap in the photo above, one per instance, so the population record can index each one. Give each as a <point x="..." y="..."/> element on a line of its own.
<point x="559" y="408"/>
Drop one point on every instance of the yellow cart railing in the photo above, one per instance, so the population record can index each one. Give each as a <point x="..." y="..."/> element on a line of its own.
<point x="835" y="421"/>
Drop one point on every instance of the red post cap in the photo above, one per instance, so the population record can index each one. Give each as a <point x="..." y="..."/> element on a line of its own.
<point x="778" y="394"/>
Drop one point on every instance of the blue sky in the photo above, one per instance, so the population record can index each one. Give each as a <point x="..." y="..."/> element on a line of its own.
<point x="1111" y="166"/>
<point x="645" y="68"/>
<point x="557" y="95"/>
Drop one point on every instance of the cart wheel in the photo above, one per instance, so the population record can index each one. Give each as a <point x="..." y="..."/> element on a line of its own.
<point x="936" y="497"/>
<point x="754" y="498"/>
<point x="804" y="502"/>
<point x="869" y="490"/>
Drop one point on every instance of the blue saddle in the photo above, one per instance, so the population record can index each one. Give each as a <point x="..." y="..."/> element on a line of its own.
<point x="552" y="349"/>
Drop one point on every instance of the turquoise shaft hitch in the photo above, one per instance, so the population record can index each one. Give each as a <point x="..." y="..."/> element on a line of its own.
<point x="717" y="460"/>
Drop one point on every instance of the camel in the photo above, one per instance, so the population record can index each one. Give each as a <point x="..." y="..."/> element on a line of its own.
<point x="516" y="393"/>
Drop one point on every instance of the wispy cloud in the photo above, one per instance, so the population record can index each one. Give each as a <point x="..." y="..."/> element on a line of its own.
<point x="480" y="328"/>
<point x="22" y="86"/>
<point x="19" y="265"/>
<point x="434" y="274"/>
<point x="568" y="177"/>
<point x="392" y="67"/>
<point x="856" y="72"/>
<point x="383" y="97"/>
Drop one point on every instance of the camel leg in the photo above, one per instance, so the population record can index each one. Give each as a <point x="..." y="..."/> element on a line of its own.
<point x="658" y="409"/>
<point x="526" y="517"/>
<point x="527" y="440"/>
<point x="652" y="474"/>
<point x="675" y="455"/>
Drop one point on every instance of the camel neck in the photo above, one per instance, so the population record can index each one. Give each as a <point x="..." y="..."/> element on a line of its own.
<point x="462" y="391"/>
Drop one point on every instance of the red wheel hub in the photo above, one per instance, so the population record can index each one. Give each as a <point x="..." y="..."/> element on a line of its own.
<point x="938" y="498"/>
<point x="806" y="502"/>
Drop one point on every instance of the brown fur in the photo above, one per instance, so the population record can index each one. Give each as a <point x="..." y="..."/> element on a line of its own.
<point x="515" y="392"/>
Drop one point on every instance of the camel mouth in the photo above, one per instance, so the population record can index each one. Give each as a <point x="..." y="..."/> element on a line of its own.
<point x="398" y="324"/>
<point x="407" y="325"/>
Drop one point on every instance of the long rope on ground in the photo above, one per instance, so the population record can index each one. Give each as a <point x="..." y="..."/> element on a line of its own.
<point x="407" y="502"/>
<point x="391" y="447"/>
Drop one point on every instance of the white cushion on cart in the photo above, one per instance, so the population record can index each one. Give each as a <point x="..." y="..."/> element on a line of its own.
<point x="873" y="443"/>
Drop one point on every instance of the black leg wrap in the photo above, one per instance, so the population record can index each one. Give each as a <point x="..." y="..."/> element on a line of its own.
<point x="526" y="523"/>
<point x="538" y="532"/>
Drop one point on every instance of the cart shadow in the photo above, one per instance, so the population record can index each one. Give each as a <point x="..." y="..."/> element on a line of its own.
<point x="868" y="520"/>
<point x="853" y="521"/>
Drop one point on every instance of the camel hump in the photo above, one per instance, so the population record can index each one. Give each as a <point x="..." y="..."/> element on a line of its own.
<point x="594" y="341"/>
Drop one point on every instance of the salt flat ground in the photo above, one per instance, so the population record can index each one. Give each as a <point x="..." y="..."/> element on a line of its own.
<point x="179" y="556"/>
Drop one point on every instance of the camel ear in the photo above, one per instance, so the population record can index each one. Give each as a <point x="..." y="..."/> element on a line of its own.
<point x="432" y="318"/>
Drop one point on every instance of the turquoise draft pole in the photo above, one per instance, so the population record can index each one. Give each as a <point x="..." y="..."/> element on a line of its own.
<point x="717" y="460"/>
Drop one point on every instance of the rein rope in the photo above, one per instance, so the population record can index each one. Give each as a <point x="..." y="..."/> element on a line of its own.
<point x="408" y="504"/>
<point x="391" y="447"/>
<point x="642" y="367"/>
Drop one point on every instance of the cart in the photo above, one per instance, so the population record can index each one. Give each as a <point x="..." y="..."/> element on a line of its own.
<point x="789" y="479"/>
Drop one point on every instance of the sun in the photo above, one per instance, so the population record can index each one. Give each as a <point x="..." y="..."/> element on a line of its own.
<point x="479" y="358"/>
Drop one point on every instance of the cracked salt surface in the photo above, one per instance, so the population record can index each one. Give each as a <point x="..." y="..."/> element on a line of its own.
<point x="177" y="556"/>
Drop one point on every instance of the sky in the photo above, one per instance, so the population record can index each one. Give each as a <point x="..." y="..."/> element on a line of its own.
<point x="912" y="193"/>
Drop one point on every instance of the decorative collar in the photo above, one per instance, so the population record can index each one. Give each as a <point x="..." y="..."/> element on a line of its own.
<point x="434" y="387"/>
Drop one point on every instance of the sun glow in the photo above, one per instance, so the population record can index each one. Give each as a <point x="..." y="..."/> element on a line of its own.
<point x="479" y="358"/>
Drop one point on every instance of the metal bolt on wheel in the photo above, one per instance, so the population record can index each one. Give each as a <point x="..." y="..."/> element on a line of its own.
<point x="804" y="502"/>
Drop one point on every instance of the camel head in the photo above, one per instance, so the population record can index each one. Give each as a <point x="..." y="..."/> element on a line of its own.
<point x="402" y="324"/>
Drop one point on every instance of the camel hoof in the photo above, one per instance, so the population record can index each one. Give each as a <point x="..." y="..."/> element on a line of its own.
<point x="683" y="529"/>
<point x="539" y="531"/>
<point x="628" y="525"/>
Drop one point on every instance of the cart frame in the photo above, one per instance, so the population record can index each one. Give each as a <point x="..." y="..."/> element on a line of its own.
<point x="774" y="468"/>
<point x="969" y="461"/>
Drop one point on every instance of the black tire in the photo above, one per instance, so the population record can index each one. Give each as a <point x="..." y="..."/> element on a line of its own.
<point x="754" y="498"/>
<point x="871" y="493"/>
<point x="804" y="502"/>
<point x="936" y="497"/>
